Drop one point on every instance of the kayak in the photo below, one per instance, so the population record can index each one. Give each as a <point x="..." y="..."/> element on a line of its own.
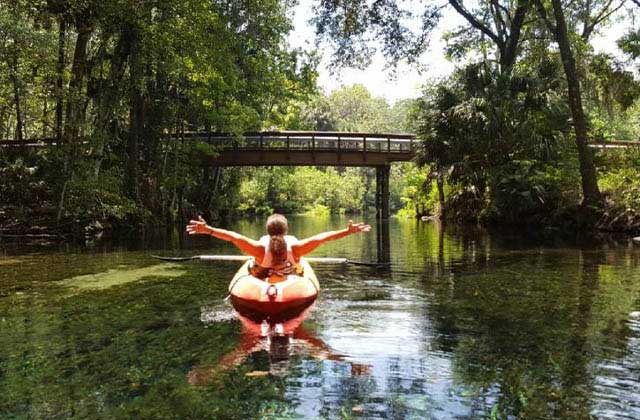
<point x="284" y="298"/>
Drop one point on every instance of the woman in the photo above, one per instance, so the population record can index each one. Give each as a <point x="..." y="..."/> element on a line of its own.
<point x="276" y="252"/>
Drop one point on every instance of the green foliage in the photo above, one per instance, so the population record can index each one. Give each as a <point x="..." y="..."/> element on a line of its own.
<point x="21" y="184"/>
<point x="350" y="108"/>
<point x="318" y="210"/>
<point x="532" y="192"/>
<point x="132" y="72"/>
<point x="408" y="185"/>
<point x="349" y="26"/>
<point x="301" y="189"/>
<point x="478" y="124"/>
<point x="611" y="95"/>
<point x="630" y="43"/>
<point x="623" y="185"/>
<point x="90" y="199"/>
<point x="620" y="178"/>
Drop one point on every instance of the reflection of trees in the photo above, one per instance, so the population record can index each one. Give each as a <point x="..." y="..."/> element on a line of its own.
<point x="521" y="328"/>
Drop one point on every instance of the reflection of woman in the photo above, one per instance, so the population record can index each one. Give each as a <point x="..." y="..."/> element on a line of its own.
<point x="277" y="252"/>
<point x="281" y="341"/>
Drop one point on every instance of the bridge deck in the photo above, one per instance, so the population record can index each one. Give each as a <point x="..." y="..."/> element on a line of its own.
<point x="290" y="148"/>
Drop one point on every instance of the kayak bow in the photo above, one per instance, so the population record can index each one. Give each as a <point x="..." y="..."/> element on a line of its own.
<point x="270" y="299"/>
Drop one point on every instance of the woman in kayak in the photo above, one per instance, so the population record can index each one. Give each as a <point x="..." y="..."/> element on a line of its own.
<point x="276" y="252"/>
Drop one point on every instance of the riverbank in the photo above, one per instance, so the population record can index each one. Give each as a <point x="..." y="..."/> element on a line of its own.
<point x="36" y="208"/>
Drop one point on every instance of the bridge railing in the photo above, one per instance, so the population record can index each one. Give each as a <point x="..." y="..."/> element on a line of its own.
<point x="307" y="141"/>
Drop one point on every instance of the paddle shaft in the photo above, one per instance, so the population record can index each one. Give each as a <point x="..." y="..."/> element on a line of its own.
<point x="321" y="260"/>
<point x="246" y="257"/>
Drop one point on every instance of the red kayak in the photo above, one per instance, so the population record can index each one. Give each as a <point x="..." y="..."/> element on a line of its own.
<point x="283" y="298"/>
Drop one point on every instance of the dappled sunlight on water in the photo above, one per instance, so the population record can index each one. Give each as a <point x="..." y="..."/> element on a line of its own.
<point x="462" y="324"/>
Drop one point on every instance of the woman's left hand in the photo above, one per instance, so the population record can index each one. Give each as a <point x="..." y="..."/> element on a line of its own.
<point x="358" y="227"/>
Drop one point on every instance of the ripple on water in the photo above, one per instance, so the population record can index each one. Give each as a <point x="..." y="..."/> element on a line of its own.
<point x="216" y="313"/>
<point x="617" y="382"/>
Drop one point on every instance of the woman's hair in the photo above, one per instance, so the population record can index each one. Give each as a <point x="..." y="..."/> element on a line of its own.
<point x="277" y="225"/>
<point x="276" y="228"/>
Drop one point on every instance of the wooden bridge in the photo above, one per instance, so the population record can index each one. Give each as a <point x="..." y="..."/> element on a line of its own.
<point x="308" y="148"/>
<point x="299" y="148"/>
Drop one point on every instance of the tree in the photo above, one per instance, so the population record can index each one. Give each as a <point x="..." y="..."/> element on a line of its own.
<point x="479" y="124"/>
<point x="501" y="22"/>
<point x="353" y="26"/>
<point x="590" y="190"/>
<point x="124" y="74"/>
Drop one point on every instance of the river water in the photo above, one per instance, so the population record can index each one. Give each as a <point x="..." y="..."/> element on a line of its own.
<point x="463" y="324"/>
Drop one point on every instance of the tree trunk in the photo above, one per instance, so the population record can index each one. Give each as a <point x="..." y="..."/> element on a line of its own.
<point x="45" y="111"/>
<point x="3" y="122"/>
<point x="16" y="92"/>
<point x="590" y="191"/>
<point x="441" y="199"/>
<point x="74" y="102"/>
<point x="136" y="120"/>
<point x="62" y="29"/>
<point x="509" y="51"/>
<point x="108" y="98"/>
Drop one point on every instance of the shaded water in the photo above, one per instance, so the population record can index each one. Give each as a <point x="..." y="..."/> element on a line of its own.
<point x="462" y="325"/>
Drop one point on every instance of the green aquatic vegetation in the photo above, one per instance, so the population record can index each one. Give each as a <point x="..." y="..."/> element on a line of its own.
<point x="369" y="295"/>
<point x="10" y="261"/>
<point x="122" y="275"/>
<point x="124" y="351"/>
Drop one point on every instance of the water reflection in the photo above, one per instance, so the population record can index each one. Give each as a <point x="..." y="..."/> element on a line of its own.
<point x="282" y="338"/>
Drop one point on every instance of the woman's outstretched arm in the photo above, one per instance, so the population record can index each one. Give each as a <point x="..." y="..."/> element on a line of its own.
<point x="305" y="246"/>
<point x="246" y="245"/>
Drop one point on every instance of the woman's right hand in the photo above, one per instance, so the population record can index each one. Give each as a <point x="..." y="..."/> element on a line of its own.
<point x="358" y="227"/>
<point x="198" y="227"/>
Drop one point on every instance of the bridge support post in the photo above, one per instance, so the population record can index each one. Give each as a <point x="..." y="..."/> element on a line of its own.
<point x="382" y="192"/>
<point x="383" y="241"/>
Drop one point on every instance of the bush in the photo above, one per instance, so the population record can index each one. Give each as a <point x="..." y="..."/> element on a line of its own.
<point x="525" y="191"/>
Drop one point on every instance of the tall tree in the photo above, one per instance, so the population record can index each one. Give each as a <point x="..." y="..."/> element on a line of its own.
<point x="590" y="190"/>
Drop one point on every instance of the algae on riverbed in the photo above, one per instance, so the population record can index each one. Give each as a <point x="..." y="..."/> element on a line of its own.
<point x="122" y="275"/>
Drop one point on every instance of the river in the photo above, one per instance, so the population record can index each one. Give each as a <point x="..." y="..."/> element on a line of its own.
<point x="462" y="324"/>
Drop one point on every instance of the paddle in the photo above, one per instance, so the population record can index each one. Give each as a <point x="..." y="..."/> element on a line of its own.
<point x="320" y="260"/>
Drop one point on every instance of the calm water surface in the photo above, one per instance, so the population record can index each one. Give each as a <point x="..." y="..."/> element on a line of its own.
<point x="462" y="325"/>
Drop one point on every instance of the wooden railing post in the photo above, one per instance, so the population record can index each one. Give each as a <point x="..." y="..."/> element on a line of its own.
<point x="338" y="143"/>
<point x="261" y="141"/>
<point x="364" y="144"/>
<point x="313" y="142"/>
<point x="388" y="144"/>
<point x="288" y="143"/>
